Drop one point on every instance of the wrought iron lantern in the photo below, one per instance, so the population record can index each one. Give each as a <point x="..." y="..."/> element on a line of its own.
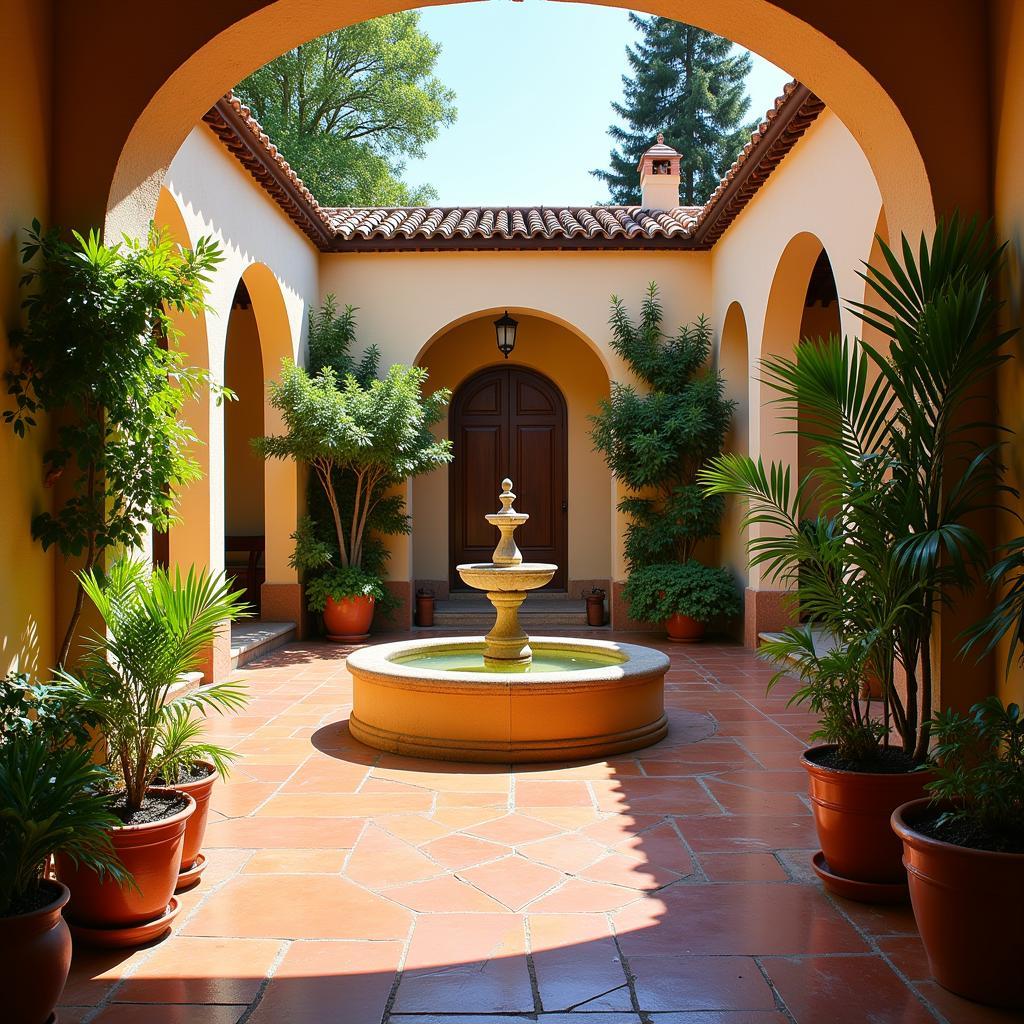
<point x="505" y="328"/>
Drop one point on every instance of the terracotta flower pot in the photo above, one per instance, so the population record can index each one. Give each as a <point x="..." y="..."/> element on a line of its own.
<point x="152" y="853"/>
<point x="349" y="618"/>
<point x="35" y="956"/>
<point x="195" y="828"/>
<point x="595" y="609"/>
<point x="969" y="905"/>
<point x="424" y="608"/>
<point x="851" y="813"/>
<point x="683" y="629"/>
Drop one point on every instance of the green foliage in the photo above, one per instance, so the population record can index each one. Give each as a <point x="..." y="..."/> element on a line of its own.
<point x="341" y="583"/>
<point x="331" y="337"/>
<point x="157" y="629"/>
<point x="52" y="796"/>
<point x="691" y="85"/>
<point x="657" y="441"/>
<point x="979" y="768"/>
<point x="903" y="478"/>
<point x="99" y="353"/>
<point x="687" y="588"/>
<point x="347" y="107"/>
<point x="180" y="746"/>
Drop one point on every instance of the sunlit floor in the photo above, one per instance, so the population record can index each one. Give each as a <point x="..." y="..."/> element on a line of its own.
<point x="670" y="886"/>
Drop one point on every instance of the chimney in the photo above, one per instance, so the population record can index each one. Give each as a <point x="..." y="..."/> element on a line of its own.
<point x="659" y="177"/>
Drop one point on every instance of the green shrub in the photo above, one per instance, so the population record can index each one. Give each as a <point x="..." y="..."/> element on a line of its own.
<point x="343" y="583"/>
<point x="681" y="588"/>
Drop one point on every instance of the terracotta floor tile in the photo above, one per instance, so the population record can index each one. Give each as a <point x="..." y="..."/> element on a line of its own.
<point x="569" y="818"/>
<point x="879" y="919"/>
<point x="444" y="895"/>
<point x="569" y="852"/>
<point x="296" y="906"/>
<point x="235" y="799"/>
<point x="531" y="793"/>
<point x="845" y="990"/>
<point x="963" y="1011"/>
<point x="616" y="828"/>
<point x="95" y="972"/>
<point x="515" y="1018"/>
<point x="198" y="970"/>
<point x="513" y="881"/>
<point x="742" y="867"/>
<point x="661" y="796"/>
<point x="578" y="896"/>
<point x="659" y="846"/>
<point x="295" y="862"/>
<point x="380" y="860"/>
<point x="700" y="983"/>
<point x="742" y="800"/>
<point x="456" y="961"/>
<point x="344" y="805"/>
<point x="744" y="918"/>
<point x="458" y="798"/>
<point x="748" y="834"/>
<point x="512" y="829"/>
<point x="329" y="776"/>
<point x="318" y="982"/>
<point x="126" y="1013"/>
<point x="293" y="833"/>
<point x="618" y="869"/>
<point x="907" y="954"/>
<point x="458" y="851"/>
<point x="466" y="817"/>
<point x="416" y="828"/>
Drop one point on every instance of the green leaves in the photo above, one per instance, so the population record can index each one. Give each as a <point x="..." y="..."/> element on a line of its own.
<point x="701" y="592"/>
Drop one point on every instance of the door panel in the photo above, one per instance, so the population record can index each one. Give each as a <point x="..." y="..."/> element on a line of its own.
<point x="507" y="421"/>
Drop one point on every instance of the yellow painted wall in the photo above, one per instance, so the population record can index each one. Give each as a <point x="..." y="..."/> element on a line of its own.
<point x="243" y="420"/>
<point x="568" y="360"/>
<point x="27" y="606"/>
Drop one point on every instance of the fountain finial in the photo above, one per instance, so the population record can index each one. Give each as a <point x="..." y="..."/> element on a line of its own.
<point x="506" y="497"/>
<point x="507" y="552"/>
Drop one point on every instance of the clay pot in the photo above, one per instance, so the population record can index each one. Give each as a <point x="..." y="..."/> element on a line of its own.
<point x="195" y="827"/>
<point x="595" y="609"/>
<point x="968" y="905"/>
<point x="35" y="956"/>
<point x="683" y="629"/>
<point x="152" y="853"/>
<point x="349" y="618"/>
<point x="424" y="608"/>
<point x="851" y="813"/>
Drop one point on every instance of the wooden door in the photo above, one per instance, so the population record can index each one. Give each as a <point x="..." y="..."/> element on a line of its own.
<point x="509" y="421"/>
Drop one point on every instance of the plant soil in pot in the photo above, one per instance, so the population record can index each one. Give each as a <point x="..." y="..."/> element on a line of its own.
<point x="852" y="808"/>
<point x="35" y="956"/>
<point x="969" y="905"/>
<point x="150" y="850"/>
<point x="683" y="629"/>
<point x="349" y="618"/>
<point x="200" y="788"/>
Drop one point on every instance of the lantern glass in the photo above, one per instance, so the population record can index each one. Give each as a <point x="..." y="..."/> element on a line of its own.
<point x="505" y="330"/>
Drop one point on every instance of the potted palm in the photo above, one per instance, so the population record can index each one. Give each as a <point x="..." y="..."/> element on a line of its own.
<point x="898" y="481"/>
<point x="683" y="595"/>
<point x="156" y="629"/>
<point x="361" y="435"/>
<point x="52" y="801"/>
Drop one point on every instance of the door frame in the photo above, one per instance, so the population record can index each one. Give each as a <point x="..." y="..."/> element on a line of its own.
<point x="454" y="581"/>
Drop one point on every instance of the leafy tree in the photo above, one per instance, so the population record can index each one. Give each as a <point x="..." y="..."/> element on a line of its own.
<point x="655" y="442"/>
<point x="99" y="353"/>
<point x="346" y="107"/>
<point x="691" y="85"/>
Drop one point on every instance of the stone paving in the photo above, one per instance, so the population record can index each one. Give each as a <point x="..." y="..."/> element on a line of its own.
<point x="671" y="886"/>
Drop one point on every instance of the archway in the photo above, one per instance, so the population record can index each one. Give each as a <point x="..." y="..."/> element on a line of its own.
<point x="509" y="421"/>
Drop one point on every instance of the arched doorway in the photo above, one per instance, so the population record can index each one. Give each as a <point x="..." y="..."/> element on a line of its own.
<point x="509" y="421"/>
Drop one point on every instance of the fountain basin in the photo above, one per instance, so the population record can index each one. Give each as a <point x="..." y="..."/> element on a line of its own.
<point x="606" y="698"/>
<point x="512" y="578"/>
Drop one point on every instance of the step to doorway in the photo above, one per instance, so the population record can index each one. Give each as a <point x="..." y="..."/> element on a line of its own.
<point x="251" y="640"/>
<point x="469" y="610"/>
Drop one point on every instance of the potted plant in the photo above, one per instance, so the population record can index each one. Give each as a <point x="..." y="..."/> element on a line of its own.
<point x="683" y="595"/>
<point x="898" y="482"/>
<point x="595" y="606"/>
<point x="156" y="629"/>
<point x="654" y="442"/>
<point x="52" y="801"/>
<point x="362" y="435"/>
<point x="188" y="764"/>
<point x="964" y="852"/>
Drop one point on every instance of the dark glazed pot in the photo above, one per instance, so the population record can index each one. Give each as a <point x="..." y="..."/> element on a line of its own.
<point x="152" y="853"/>
<point x="683" y="629"/>
<point x="349" y="618"/>
<point x="969" y="905"/>
<point x="35" y="956"/>
<point x="852" y="812"/>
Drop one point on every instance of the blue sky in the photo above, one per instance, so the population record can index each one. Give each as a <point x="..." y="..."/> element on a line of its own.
<point x="534" y="82"/>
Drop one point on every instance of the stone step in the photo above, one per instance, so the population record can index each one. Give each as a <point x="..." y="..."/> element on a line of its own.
<point x="532" y="614"/>
<point x="251" y="640"/>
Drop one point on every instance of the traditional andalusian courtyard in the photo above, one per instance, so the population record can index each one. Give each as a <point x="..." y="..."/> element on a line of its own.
<point x="669" y="886"/>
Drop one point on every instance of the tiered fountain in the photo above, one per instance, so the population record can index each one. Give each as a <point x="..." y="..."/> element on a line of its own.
<point x="506" y="697"/>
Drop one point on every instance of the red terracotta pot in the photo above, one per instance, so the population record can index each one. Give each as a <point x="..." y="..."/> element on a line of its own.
<point x="424" y="609"/>
<point x="683" y="629"/>
<point x="969" y="905"/>
<point x="349" y="618"/>
<point x="852" y="812"/>
<point x="152" y="853"/>
<point x="595" y="609"/>
<point x="195" y="827"/>
<point x="35" y="956"/>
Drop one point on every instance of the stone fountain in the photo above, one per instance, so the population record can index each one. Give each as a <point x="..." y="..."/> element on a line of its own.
<point x="504" y="697"/>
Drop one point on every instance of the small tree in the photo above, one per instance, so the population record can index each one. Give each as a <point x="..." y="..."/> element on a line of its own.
<point x="99" y="353"/>
<point x="657" y="441"/>
<point x="361" y="435"/>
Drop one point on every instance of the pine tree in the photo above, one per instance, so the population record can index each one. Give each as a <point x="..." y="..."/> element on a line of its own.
<point x="691" y="85"/>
